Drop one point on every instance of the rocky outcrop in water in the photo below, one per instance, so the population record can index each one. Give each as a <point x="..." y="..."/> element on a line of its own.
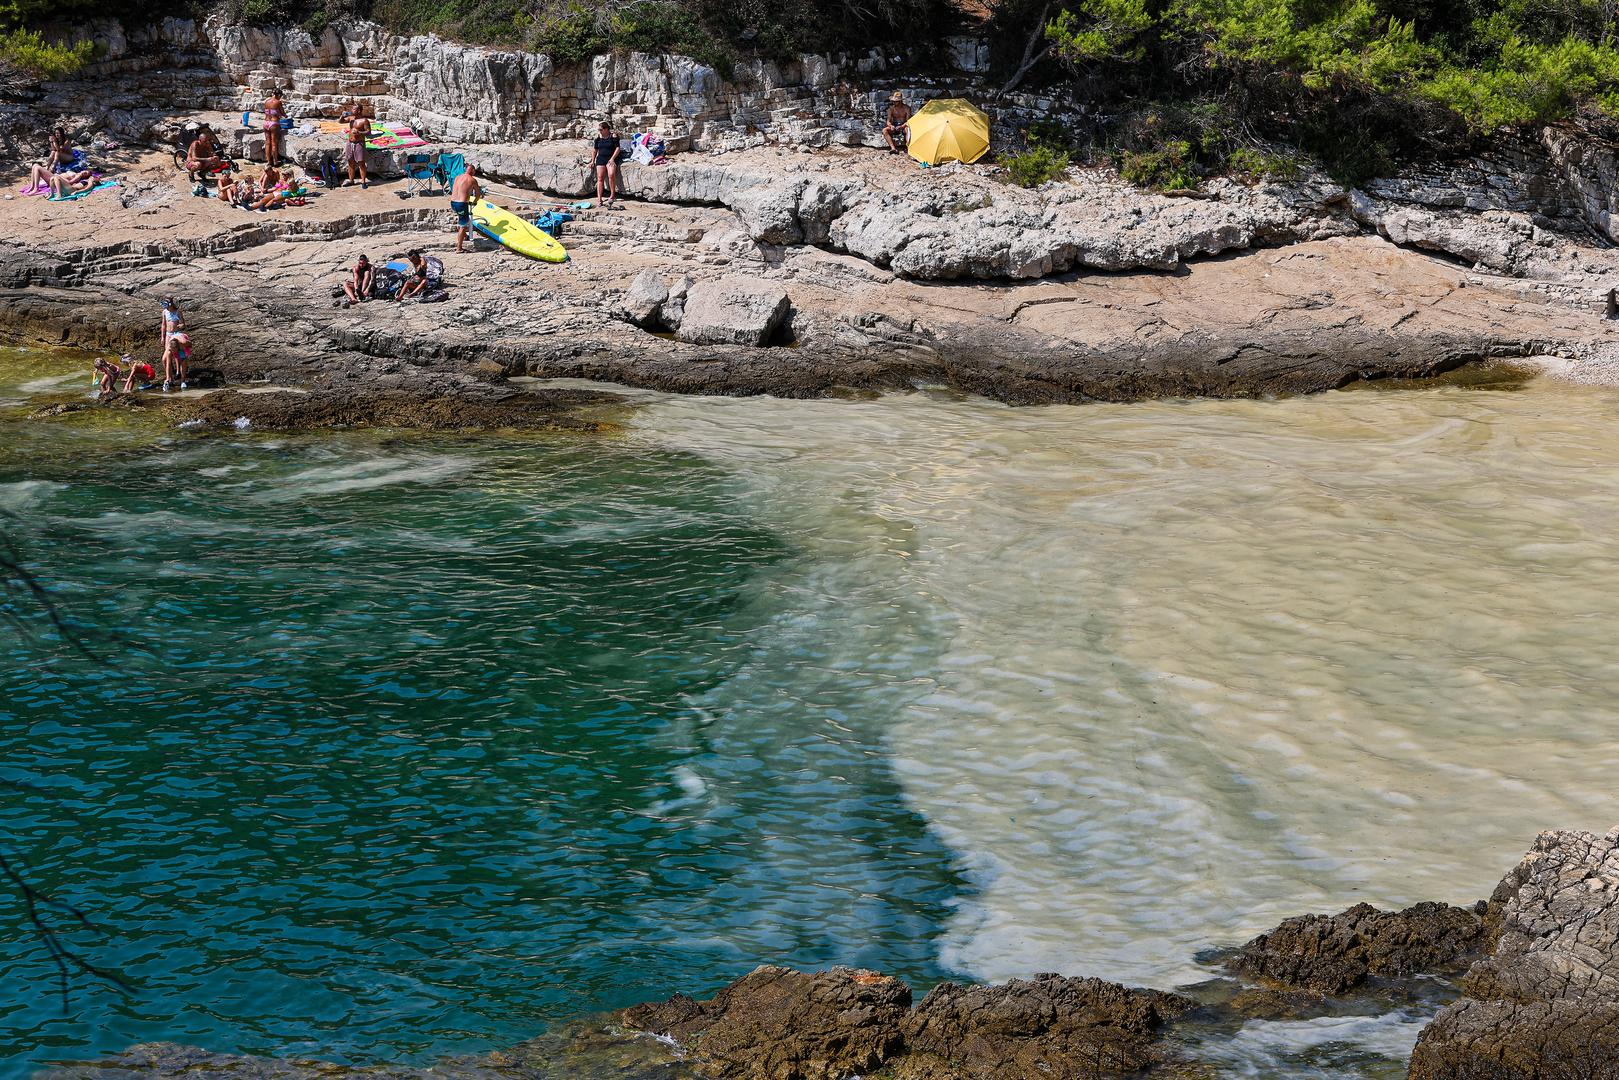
<point x="1045" y="1026"/>
<point x="1334" y="954"/>
<point x="1544" y="1004"/>
<point x="779" y="1024"/>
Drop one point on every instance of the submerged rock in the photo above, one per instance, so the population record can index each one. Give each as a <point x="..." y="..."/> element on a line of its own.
<point x="1333" y="954"/>
<point x="1046" y="1026"/>
<point x="1544" y="1005"/>
<point x="781" y="1024"/>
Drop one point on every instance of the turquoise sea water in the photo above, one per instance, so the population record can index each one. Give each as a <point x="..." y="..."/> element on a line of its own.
<point x="401" y="745"/>
<point x="396" y="746"/>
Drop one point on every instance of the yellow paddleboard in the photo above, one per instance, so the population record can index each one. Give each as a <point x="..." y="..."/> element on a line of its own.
<point x="505" y="227"/>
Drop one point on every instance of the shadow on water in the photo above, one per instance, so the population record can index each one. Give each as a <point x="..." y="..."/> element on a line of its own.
<point x="1485" y="375"/>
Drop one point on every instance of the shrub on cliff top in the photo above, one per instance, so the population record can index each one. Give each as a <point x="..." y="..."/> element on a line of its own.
<point x="28" y="52"/>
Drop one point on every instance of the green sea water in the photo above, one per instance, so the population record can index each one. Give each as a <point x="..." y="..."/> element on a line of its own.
<point x="396" y="745"/>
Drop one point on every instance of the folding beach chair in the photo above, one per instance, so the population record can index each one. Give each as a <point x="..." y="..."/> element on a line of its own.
<point x="450" y="166"/>
<point x="422" y="173"/>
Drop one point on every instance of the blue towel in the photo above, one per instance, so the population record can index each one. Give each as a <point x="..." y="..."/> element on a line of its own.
<point x="104" y="185"/>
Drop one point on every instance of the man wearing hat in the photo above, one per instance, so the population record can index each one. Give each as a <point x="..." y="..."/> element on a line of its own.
<point x="899" y="115"/>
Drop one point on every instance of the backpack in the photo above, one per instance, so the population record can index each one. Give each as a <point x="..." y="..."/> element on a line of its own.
<point x="329" y="174"/>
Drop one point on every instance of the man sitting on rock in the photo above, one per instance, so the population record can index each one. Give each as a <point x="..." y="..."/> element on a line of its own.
<point x="202" y="157"/>
<point x="899" y="118"/>
<point x="358" y="286"/>
<point x="417" y="281"/>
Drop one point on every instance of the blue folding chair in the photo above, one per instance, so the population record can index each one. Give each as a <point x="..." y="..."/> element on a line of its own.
<point x="422" y="172"/>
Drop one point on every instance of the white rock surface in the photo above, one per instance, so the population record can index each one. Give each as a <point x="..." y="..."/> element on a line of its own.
<point x="733" y="311"/>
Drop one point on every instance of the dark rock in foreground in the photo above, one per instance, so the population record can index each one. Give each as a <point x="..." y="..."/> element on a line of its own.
<point x="1333" y="954"/>
<point x="1544" y="1005"/>
<point x="786" y="1025"/>
<point x="1047" y="1026"/>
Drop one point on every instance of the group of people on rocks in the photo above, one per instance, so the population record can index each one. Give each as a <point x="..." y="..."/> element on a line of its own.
<point x="63" y="171"/>
<point x="175" y="357"/>
<point x="361" y="284"/>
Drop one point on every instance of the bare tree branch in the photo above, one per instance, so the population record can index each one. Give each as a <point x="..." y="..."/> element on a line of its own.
<point x="1030" y="59"/>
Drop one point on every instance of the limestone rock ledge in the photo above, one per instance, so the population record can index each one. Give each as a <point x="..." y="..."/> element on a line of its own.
<point x="1544" y="1005"/>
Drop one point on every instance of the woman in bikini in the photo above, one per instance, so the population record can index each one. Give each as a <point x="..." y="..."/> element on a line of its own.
<point x="359" y="131"/>
<point x="274" y="190"/>
<point x="273" y="112"/>
<point x="59" y="160"/>
<point x="64" y="184"/>
<point x="417" y="282"/>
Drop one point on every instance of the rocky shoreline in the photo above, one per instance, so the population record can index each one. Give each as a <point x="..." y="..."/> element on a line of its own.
<point x="778" y="253"/>
<point x="1526" y="987"/>
<point x="682" y="298"/>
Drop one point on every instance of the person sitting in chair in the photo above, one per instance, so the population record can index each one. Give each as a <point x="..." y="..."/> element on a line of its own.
<point x="899" y="119"/>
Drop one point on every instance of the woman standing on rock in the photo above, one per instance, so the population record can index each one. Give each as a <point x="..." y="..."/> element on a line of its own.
<point x="273" y="111"/>
<point x="606" y="151"/>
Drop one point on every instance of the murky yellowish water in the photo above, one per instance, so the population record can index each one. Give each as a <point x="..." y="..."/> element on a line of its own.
<point x="1214" y="664"/>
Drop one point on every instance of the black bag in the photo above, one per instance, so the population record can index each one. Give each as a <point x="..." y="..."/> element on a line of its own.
<point x="330" y="175"/>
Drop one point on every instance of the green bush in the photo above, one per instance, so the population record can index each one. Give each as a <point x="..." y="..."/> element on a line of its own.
<point x="1263" y="164"/>
<point x="28" y="51"/>
<point x="1169" y="168"/>
<point x="1034" y="166"/>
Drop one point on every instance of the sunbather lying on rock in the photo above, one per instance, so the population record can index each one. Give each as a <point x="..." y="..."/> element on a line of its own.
<point x="272" y="190"/>
<point x="64" y="184"/>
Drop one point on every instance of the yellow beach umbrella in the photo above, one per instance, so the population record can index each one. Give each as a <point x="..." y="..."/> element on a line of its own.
<point x="950" y="129"/>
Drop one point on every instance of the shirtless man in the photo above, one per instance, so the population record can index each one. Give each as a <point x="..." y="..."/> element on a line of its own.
<point x="358" y="287"/>
<point x="354" y="153"/>
<point x="202" y="156"/>
<point x="463" y="193"/>
<point x="899" y="116"/>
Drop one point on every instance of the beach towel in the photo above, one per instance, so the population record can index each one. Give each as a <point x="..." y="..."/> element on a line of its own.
<point x="393" y="137"/>
<point x="103" y="186"/>
<point x="333" y="127"/>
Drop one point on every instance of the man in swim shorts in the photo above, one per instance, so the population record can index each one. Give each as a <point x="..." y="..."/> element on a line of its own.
<point x="354" y="153"/>
<point x="463" y="193"/>
<point x="897" y="125"/>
